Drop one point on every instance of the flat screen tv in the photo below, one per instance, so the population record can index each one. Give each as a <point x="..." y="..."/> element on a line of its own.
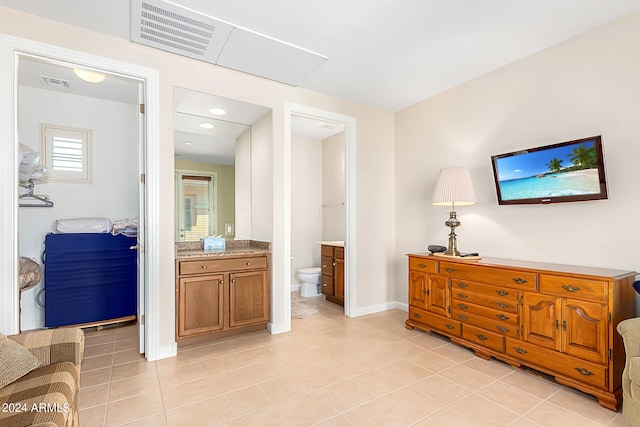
<point x="566" y="172"/>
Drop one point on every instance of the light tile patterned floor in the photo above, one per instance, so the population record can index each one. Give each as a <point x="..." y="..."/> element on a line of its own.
<point x="329" y="371"/>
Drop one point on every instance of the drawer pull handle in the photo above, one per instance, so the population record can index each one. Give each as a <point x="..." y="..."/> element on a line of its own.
<point x="462" y="317"/>
<point x="418" y="315"/>
<point x="324" y="265"/>
<point x="248" y="263"/>
<point x="449" y="270"/>
<point x="462" y="285"/>
<point x="520" y="350"/>
<point x="502" y="316"/>
<point x="481" y="337"/>
<point x="502" y="293"/>
<point x="570" y="288"/>
<point x="502" y="329"/>
<point x="502" y="305"/>
<point x="325" y="285"/>
<point x="519" y="281"/>
<point x="449" y="326"/>
<point x="222" y="282"/>
<point x="422" y="265"/>
<point x="204" y="266"/>
<point x="583" y="371"/>
<point x="462" y="306"/>
<point x="463" y="296"/>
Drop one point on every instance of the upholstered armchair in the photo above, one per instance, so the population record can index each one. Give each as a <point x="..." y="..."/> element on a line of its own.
<point x="630" y="331"/>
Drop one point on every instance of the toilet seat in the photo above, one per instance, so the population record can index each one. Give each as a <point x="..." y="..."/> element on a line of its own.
<point x="309" y="270"/>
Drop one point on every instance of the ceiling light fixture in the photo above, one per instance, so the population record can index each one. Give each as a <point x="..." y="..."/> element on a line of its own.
<point x="206" y="125"/>
<point x="188" y="143"/>
<point x="89" y="76"/>
<point x="217" y="111"/>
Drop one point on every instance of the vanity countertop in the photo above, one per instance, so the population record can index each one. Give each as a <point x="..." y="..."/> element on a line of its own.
<point x="233" y="247"/>
<point x="339" y="243"/>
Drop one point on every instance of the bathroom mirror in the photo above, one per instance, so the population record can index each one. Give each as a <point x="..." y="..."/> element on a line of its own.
<point x="213" y="164"/>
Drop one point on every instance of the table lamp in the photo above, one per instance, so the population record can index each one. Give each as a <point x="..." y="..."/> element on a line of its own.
<point x="453" y="188"/>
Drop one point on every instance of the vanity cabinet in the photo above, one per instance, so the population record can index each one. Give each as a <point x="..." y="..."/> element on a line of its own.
<point x="220" y="295"/>
<point x="332" y="269"/>
<point x="557" y="319"/>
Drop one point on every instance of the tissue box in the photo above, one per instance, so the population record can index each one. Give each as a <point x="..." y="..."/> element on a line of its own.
<point x="214" y="243"/>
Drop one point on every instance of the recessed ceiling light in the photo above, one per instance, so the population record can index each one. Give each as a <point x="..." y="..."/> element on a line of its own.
<point x="188" y="143"/>
<point x="89" y="76"/>
<point x="206" y="125"/>
<point x="217" y="111"/>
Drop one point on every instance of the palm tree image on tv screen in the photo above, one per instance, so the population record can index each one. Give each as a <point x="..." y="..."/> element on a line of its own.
<point x="555" y="171"/>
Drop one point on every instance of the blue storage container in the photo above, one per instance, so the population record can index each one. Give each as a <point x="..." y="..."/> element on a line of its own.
<point x="89" y="277"/>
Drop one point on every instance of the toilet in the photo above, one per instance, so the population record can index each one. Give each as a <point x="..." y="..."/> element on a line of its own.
<point x="309" y="281"/>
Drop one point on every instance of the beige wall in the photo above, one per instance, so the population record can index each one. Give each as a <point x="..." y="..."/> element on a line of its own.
<point x="226" y="189"/>
<point x="587" y="86"/>
<point x="374" y="151"/>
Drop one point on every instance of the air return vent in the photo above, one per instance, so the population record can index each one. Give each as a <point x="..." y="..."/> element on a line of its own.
<point x="177" y="29"/>
<point x="54" y="81"/>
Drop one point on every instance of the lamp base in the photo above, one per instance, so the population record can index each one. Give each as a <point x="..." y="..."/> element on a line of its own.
<point x="470" y="258"/>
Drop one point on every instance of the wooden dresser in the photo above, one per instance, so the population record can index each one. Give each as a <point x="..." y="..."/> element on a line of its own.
<point x="557" y="319"/>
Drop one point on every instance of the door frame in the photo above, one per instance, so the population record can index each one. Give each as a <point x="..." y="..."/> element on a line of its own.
<point x="349" y="122"/>
<point x="11" y="48"/>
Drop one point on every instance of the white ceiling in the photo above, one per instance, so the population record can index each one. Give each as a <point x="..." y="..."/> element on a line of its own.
<point x="384" y="53"/>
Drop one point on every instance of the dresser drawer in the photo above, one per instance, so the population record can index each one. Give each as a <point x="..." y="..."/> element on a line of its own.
<point x="489" y="313"/>
<point x="339" y="252"/>
<point x="563" y="364"/>
<point x="214" y="265"/>
<point x="480" y="288"/>
<point x="489" y="324"/>
<point x="494" y="276"/>
<point x="433" y="321"/>
<point x="498" y="303"/>
<point x="573" y="287"/>
<point x="326" y="250"/>
<point x="421" y="264"/>
<point x="483" y="337"/>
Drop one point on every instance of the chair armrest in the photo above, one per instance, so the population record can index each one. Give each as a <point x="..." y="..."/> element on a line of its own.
<point x="52" y="346"/>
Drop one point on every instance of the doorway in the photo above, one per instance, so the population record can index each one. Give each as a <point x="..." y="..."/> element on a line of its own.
<point x="14" y="50"/>
<point x="349" y="124"/>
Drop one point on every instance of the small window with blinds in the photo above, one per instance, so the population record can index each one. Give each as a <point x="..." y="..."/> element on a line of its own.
<point x="66" y="153"/>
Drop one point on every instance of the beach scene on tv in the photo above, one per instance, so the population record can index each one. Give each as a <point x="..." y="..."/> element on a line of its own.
<point x="560" y="171"/>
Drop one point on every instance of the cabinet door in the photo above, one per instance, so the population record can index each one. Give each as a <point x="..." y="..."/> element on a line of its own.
<point x="585" y="329"/>
<point x="418" y="289"/>
<point x="338" y="279"/>
<point x="200" y="304"/>
<point x="541" y="320"/>
<point x="248" y="298"/>
<point x="437" y="295"/>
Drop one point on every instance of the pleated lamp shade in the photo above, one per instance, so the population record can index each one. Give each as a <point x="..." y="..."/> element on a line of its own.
<point x="454" y="187"/>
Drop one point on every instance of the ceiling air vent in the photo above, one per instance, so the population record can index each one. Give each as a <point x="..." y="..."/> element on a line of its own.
<point x="53" y="81"/>
<point x="177" y="29"/>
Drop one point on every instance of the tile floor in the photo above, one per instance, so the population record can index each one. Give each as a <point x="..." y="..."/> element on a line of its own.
<point x="329" y="371"/>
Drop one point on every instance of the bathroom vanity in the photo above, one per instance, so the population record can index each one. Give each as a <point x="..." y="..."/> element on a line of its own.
<point x="332" y="268"/>
<point x="221" y="292"/>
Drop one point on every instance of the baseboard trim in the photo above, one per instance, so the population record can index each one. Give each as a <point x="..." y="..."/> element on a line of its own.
<point x="378" y="308"/>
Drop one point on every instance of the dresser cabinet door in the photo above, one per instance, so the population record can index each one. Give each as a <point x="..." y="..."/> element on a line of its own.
<point x="437" y="295"/>
<point x="248" y="298"/>
<point x="418" y="289"/>
<point x="541" y="320"/>
<point x="584" y="327"/>
<point x="201" y="307"/>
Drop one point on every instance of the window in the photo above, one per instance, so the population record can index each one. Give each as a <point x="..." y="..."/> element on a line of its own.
<point x="66" y="153"/>
<point x="197" y="216"/>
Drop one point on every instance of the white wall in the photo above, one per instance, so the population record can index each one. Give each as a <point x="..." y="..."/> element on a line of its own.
<point x="333" y="188"/>
<point x="112" y="194"/>
<point x="243" y="186"/>
<point x="306" y="198"/>
<point x="262" y="179"/>
<point x="587" y="86"/>
<point x="374" y="157"/>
